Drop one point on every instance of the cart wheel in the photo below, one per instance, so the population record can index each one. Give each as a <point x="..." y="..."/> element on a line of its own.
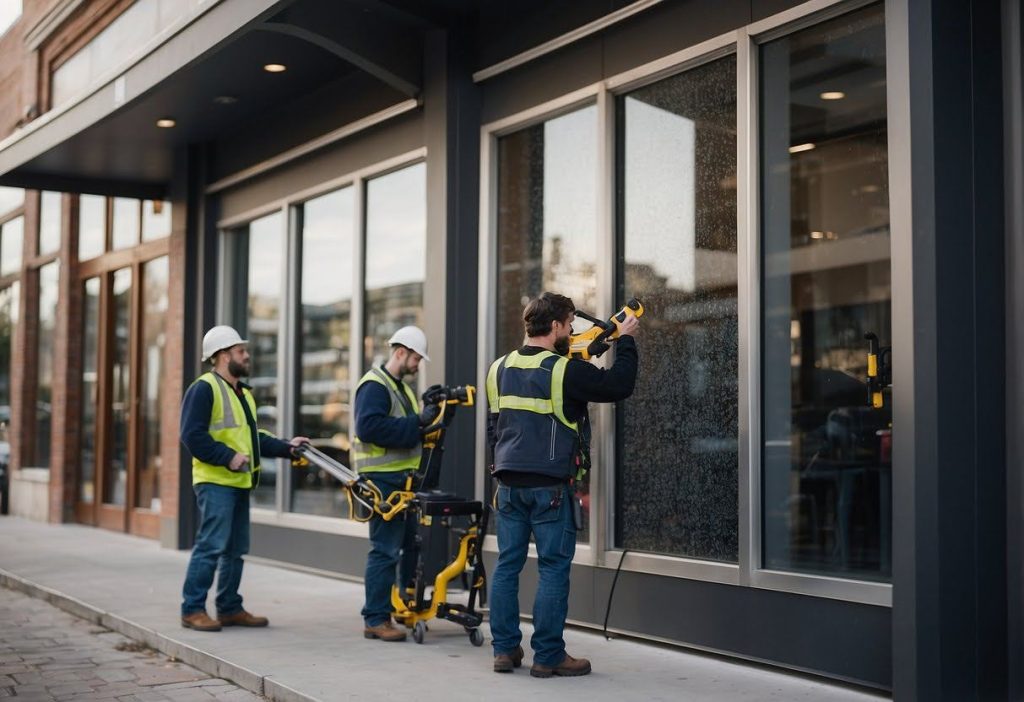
<point x="476" y="637"/>
<point x="418" y="632"/>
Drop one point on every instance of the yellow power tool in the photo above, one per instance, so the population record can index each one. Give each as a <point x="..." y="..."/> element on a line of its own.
<point x="595" y="341"/>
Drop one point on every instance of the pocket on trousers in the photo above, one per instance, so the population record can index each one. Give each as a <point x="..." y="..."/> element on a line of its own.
<point x="545" y="510"/>
<point x="505" y="500"/>
<point x="568" y="549"/>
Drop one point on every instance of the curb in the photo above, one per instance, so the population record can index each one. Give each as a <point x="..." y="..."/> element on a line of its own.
<point x="190" y="655"/>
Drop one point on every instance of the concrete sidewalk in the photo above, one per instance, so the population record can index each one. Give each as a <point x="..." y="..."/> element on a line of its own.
<point x="314" y="648"/>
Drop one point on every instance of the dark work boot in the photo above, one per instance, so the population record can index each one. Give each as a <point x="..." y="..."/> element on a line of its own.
<point x="569" y="667"/>
<point x="505" y="662"/>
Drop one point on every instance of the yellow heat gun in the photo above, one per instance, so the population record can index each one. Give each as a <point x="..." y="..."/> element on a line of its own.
<point x="594" y="341"/>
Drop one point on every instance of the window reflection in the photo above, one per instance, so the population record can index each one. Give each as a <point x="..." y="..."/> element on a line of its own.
<point x="256" y="283"/>
<point x="826" y="266"/>
<point x="9" y="298"/>
<point x="396" y="257"/>
<point x="547" y="223"/>
<point x="324" y="347"/>
<point x="10" y="199"/>
<point x="115" y="471"/>
<point x="90" y="389"/>
<point x="48" y="292"/>
<point x="154" y="338"/>
<point x="677" y="481"/>
<point x="49" y="221"/>
<point x="156" y="219"/>
<point x="126" y="223"/>
<point x="92" y="226"/>
<point x="12" y="239"/>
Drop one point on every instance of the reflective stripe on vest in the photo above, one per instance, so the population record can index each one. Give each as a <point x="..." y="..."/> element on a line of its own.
<point x="367" y="457"/>
<point x="229" y="427"/>
<point x="554" y="403"/>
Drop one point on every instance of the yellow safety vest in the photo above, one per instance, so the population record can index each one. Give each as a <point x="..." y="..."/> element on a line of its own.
<point x="227" y="426"/>
<point x="370" y="458"/>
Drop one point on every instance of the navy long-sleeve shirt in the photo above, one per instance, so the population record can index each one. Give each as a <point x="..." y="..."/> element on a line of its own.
<point x="196" y="408"/>
<point x="374" y="423"/>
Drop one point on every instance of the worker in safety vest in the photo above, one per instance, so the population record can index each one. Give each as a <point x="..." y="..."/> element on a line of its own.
<point x="387" y="448"/>
<point x="537" y="400"/>
<point x="218" y="427"/>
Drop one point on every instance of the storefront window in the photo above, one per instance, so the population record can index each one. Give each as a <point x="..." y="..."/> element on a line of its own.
<point x="253" y="307"/>
<point x="827" y="465"/>
<point x="155" y="275"/>
<point x="324" y="347"/>
<point x="677" y="481"/>
<point x="115" y="476"/>
<point x="92" y="226"/>
<point x="156" y="219"/>
<point x="8" y="328"/>
<point x="10" y="199"/>
<point x="90" y="389"/>
<point x="12" y="240"/>
<point x="48" y="293"/>
<point x="396" y="257"/>
<point x="547" y="223"/>
<point x="126" y="223"/>
<point x="49" y="221"/>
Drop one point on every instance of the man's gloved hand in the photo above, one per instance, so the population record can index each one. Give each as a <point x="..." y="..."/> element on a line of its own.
<point x="429" y="414"/>
<point x="428" y="394"/>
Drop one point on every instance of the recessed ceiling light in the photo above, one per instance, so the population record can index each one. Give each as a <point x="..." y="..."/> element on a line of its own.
<point x="165" y="123"/>
<point x="225" y="100"/>
<point x="800" y="147"/>
<point x="275" y="68"/>
<point x="833" y="95"/>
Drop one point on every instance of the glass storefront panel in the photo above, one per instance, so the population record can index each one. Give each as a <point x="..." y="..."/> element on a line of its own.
<point x="678" y="444"/>
<point x="255" y="288"/>
<point x="92" y="226"/>
<point x="396" y="257"/>
<point x="547" y="224"/>
<point x="50" y="207"/>
<point x="90" y="389"/>
<point x="48" y="293"/>
<point x="12" y="241"/>
<point x="126" y="221"/>
<point x="155" y="278"/>
<point x="827" y="465"/>
<point x="10" y="199"/>
<point x="9" y="299"/>
<point x="156" y="219"/>
<point x="324" y="347"/>
<point x="115" y="475"/>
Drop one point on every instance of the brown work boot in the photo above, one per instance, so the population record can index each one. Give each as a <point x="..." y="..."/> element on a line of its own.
<point x="568" y="667"/>
<point x="242" y="618"/>
<point x="385" y="631"/>
<point x="200" y="621"/>
<point x="505" y="662"/>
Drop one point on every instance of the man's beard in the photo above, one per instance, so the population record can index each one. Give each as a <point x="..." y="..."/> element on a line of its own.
<point x="238" y="370"/>
<point x="562" y="346"/>
<point x="406" y="371"/>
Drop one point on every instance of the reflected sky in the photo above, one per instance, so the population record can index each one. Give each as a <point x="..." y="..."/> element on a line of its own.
<point x="12" y="236"/>
<point x="396" y="228"/>
<point x="327" y="236"/>
<point x="92" y="223"/>
<point x="49" y="222"/>
<point x="126" y="223"/>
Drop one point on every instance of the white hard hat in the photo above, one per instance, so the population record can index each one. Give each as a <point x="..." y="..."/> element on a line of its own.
<point x="411" y="338"/>
<point x="219" y="338"/>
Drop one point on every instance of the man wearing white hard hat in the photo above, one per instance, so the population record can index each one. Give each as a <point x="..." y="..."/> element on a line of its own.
<point x="218" y="427"/>
<point x="388" y="445"/>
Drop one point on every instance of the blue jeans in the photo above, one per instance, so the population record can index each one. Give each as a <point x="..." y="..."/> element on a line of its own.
<point x="222" y="540"/>
<point x="393" y="545"/>
<point x="546" y="512"/>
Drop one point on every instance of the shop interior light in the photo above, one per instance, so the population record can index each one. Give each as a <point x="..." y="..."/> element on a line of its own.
<point x="817" y="235"/>
<point x="800" y="147"/>
<point x="833" y="95"/>
<point x="165" y="123"/>
<point x="275" y="68"/>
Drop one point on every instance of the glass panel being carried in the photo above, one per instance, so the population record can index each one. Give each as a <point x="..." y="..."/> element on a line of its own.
<point x="677" y="481"/>
<point x="827" y="460"/>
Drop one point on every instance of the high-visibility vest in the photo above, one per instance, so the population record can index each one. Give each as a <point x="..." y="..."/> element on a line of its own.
<point x="532" y="432"/>
<point x="371" y="458"/>
<point x="229" y="427"/>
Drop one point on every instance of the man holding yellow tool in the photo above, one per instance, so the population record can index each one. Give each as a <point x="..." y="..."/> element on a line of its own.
<point x="537" y="402"/>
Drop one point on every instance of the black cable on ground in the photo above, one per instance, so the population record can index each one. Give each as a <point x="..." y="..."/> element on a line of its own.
<point x="615" y="580"/>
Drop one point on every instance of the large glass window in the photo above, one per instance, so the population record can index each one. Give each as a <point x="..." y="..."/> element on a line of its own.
<point x="324" y="346"/>
<point x="115" y="476"/>
<point x="677" y="480"/>
<point x="396" y="256"/>
<point x="127" y="221"/>
<point x="155" y="275"/>
<point x="10" y="199"/>
<point x="49" y="222"/>
<point x="826" y="267"/>
<point x="12" y="240"/>
<point x="8" y="329"/>
<point x="156" y="219"/>
<point x="547" y="225"/>
<point x="90" y="389"/>
<point x="254" y="290"/>
<point x="92" y="226"/>
<point x="48" y="292"/>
